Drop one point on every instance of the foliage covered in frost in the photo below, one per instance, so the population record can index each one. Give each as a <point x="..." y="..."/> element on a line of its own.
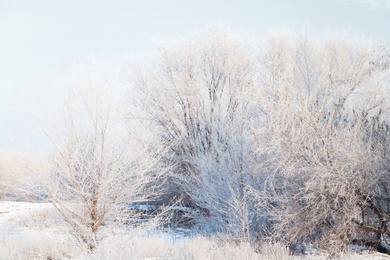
<point x="198" y="96"/>
<point x="287" y="142"/>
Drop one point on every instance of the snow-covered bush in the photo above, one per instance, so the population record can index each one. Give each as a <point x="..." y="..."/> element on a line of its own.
<point x="19" y="176"/>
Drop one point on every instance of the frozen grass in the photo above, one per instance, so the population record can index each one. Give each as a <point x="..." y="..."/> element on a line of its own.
<point x="160" y="248"/>
<point x="35" y="231"/>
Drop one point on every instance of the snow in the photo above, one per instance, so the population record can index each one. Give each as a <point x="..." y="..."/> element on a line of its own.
<point x="19" y="210"/>
<point x="37" y="228"/>
<point x="26" y="218"/>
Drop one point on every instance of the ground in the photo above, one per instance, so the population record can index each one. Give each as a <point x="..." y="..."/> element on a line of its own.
<point x="36" y="231"/>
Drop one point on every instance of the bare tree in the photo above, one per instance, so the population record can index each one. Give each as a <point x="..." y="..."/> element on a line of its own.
<point x="197" y="96"/>
<point x="98" y="168"/>
<point x="320" y="137"/>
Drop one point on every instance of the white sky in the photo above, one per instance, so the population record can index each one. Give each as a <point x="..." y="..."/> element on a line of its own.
<point x="41" y="41"/>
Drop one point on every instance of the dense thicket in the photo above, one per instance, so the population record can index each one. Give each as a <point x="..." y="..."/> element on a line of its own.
<point x="325" y="142"/>
<point x="290" y="140"/>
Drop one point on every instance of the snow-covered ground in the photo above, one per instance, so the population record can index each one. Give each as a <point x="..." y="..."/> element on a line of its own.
<point x="29" y="230"/>
<point x="27" y="220"/>
<point x="36" y="231"/>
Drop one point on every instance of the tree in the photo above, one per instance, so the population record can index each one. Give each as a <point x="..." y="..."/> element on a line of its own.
<point x="197" y="97"/>
<point x="324" y="139"/>
<point x="98" y="169"/>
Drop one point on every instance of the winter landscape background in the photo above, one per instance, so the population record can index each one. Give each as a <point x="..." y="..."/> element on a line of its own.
<point x="239" y="135"/>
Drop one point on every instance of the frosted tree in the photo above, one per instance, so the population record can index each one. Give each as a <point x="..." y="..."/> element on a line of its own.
<point x="197" y="96"/>
<point x="98" y="169"/>
<point x="324" y="137"/>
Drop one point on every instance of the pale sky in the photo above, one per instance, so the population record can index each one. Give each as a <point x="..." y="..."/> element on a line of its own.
<point x="41" y="41"/>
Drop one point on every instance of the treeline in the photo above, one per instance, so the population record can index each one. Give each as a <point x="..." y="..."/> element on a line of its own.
<point x="286" y="140"/>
